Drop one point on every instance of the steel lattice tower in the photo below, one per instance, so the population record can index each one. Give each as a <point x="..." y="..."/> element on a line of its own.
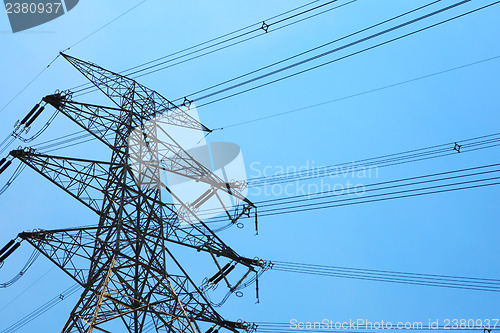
<point x="121" y="263"/>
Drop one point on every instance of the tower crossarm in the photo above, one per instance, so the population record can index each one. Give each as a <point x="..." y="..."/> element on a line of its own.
<point x="86" y="180"/>
<point x="105" y="123"/>
<point x="121" y="90"/>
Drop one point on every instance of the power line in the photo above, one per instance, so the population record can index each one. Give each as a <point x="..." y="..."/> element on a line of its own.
<point x="148" y="265"/>
<point x="267" y="24"/>
<point x="88" y="86"/>
<point x="359" y="94"/>
<point x="431" y="280"/>
<point x="427" y="27"/>
<point x="255" y="28"/>
<point x="472" y="283"/>
<point x="445" y="71"/>
<point x="336" y="50"/>
<point x="329" y="52"/>
<point x="104" y="26"/>
<point x="217" y="38"/>
<point x="348" y="168"/>
<point x="42" y="309"/>
<point x="407" y="278"/>
<point x="311" y="50"/>
<point x="29" y="263"/>
<point x="379" y="197"/>
<point x="404" y="188"/>
<point x="88" y="137"/>
<point x="466" y="145"/>
<point x="410" y="156"/>
<point x="28" y="84"/>
<point x="26" y="289"/>
<point x="309" y="270"/>
<point x="57" y="56"/>
<point x="46" y="306"/>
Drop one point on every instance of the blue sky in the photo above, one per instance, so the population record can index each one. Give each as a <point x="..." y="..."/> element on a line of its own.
<point x="452" y="233"/>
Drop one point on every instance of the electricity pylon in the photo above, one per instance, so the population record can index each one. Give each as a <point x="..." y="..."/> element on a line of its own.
<point x="121" y="263"/>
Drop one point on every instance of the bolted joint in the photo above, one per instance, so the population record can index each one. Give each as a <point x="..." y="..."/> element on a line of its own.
<point x="19" y="153"/>
<point x="41" y="235"/>
<point x="240" y="325"/>
<point x="56" y="100"/>
<point x="256" y="262"/>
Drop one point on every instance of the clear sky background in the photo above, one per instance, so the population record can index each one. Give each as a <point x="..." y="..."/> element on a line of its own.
<point x="453" y="233"/>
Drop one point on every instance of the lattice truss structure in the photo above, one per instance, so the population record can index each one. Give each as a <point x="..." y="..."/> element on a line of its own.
<point x="121" y="262"/>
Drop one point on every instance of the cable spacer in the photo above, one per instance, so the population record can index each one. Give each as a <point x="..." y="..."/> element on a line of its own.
<point x="187" y="103"/>
<point x="457" y="147"/>
<point x="264" y="26"/>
